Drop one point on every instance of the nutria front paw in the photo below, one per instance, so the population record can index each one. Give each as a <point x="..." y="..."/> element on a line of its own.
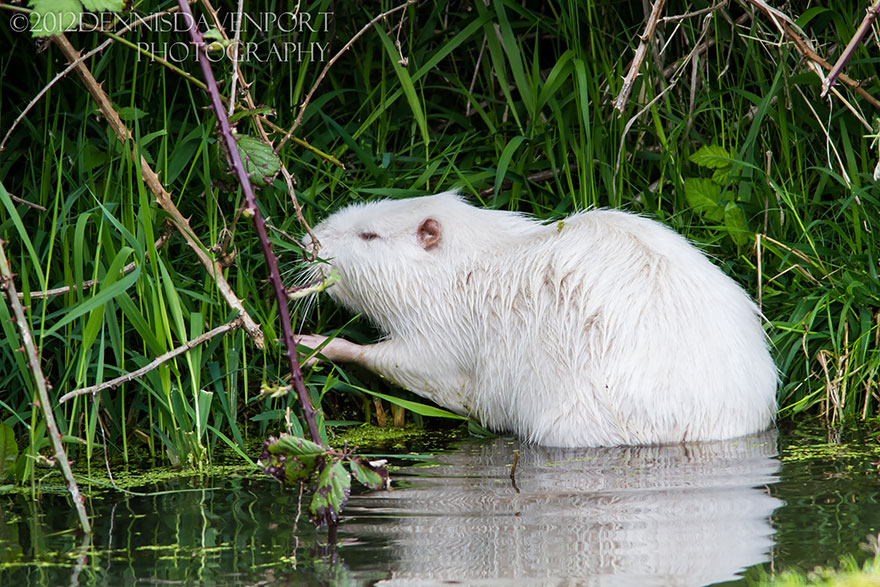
<point x="312" y="342"/>
<point x="332" y="349"/>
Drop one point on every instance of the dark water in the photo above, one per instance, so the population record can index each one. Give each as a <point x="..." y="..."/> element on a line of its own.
<point x="684" y="515"/>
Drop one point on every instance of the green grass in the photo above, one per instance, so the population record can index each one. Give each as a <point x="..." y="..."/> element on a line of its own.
<point x="511" y="103"/>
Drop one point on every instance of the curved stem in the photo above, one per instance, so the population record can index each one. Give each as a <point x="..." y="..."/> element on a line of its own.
<point x="259" y="225"/>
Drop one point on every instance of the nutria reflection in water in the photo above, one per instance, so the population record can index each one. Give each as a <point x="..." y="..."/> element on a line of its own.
<point x="688" y="514"/>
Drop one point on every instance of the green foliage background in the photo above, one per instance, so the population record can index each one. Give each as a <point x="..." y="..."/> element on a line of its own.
<point x="724" y="138"/>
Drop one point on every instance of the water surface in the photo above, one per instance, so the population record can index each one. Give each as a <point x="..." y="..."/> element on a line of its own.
<point x="693" y="514"/>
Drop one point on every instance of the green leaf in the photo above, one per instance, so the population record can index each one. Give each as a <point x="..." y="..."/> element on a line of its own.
<point x="557" y="76"/>
<point x="722" y="175"/>
<point x="53" y="17"/>
<point x="25" y="241"/>
<point x="260" y="162"/>
<point x="504" y="161"/>
<point x="213" y="34"/>
<point x="438" y="55"/>
<point x="106" y="293"/>
<point x="515" y="58"/>
<point x="295" y="446"/>
<point x="374" y="477"/>
<point x="703" y="196"/>
<point x="735" y="223"/>
<point x="104" y="5"/>
<point x="406" y="84"/>
<point x="130" y="113"/>
<point x="8" y="450"/>
<point x="291" y="459"/>
<point x="712" y="156"/>
<point x="334" y="485"/>
<point x="96" y="315"/>
<point x="203" y="410"/>
<point x="233" y="445"/>
<point x="415" y="407"/>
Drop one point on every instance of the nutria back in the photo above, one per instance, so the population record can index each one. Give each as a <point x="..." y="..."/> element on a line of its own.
<point x="605" y="328"/>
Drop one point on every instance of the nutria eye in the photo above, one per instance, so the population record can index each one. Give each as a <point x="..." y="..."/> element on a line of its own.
<point x="368" y="236"/>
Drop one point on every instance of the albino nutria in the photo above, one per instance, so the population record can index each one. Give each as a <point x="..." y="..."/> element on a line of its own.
<point x="602" y="329"/>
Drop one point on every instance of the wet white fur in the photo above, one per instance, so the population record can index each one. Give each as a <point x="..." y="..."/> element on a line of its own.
<point x="603" y="329"/>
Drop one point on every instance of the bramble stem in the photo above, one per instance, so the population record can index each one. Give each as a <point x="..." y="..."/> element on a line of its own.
<point x="296" y="378"/>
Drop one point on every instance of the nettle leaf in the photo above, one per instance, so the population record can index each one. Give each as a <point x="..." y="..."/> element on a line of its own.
<point x="374" y="476"/>
<point x="291" y="459"/>
<point x="334" y="486"/>
<point x="735" y="223"/>
<point x="53" y="17"/>
<point x="704" y="195"/>
<point x="722" y="175"/>
<point x="260" y="162"/>
<point x="712" y="156"/>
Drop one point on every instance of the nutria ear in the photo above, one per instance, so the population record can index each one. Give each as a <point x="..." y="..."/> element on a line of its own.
<point x="429" y="233"/>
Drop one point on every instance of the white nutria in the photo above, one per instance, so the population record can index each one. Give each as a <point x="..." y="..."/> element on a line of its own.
<point x="602" y="329"/>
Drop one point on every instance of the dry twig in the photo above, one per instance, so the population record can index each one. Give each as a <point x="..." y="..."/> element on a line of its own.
<point x="870" y="14"/>
<point x="24" y="202"/>
<point x="154" y="363"/>
<point x="52" y="431"/>
<point x="641" y="51"/>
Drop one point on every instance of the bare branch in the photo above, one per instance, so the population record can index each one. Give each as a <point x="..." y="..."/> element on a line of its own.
<point x="641" y="51"/>
<point x="24" y="202"/>
<point x="52" y="431"/>
<point x="232" y="325"/>
<point x="718" y="6"/>
<point x="870" y="14"/>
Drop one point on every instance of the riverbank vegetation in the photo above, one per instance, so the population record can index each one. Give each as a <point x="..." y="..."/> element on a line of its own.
<point x="718" y="129"/>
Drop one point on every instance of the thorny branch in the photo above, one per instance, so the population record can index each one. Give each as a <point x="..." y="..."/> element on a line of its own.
<point x="151" y="179"/>
<point x="259" y="227"/>
<point x="258" y="123"/>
